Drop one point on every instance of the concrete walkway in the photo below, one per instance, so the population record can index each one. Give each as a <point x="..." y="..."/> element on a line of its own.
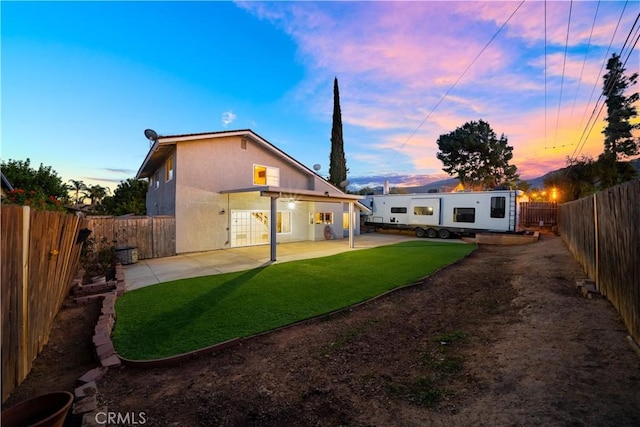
<point x="157" y="270"/>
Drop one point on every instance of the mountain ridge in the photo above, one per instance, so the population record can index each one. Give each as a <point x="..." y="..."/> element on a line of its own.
<point x="448" y="184"/>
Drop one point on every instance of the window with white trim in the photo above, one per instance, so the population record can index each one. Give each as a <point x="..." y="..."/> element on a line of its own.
<point x="322" y="218"/>
<point x="168" y="169"/>
<point x="283" y="222"/>
<point x="266" y="175"/>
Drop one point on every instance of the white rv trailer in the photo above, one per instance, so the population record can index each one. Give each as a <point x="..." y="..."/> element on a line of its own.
<point x="441" y="214"/>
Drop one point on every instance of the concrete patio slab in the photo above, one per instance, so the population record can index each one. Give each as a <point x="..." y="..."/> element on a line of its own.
<point x="158" y="270"/>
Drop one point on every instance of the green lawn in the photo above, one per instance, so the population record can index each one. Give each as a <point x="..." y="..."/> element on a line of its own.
<point x="176" y="317"/>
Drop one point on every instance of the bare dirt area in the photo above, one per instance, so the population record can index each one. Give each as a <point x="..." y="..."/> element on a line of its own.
<point x="66" y="357"/>
<point x="501" y="338"/>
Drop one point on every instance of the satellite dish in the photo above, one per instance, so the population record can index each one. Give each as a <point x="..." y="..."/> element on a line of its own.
<point x="317" y="167"/>
<point x="151" y="135"/>
<point x="344" y="183"/>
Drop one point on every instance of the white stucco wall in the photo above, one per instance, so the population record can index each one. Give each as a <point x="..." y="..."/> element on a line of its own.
<point x="204" y="168"/>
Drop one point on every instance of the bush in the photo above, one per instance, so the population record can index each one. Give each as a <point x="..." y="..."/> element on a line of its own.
<point x="98" y="259"/>
<point x="35" y="199"/>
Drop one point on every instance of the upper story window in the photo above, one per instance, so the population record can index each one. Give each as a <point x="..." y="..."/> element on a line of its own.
<point x="265" y="175"/>
<point x="168" y="169"/>
<point x="399" y="210"/>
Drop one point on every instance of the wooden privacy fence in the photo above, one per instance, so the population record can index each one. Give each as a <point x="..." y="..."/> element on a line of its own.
<point x="533" y="213"/>
<point x="40" y="257"/>
<point x="155" y="236"/>
<point x="603" y="233"/>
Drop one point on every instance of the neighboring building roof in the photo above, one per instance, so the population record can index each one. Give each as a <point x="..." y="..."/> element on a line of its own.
<point x="165" y="143"/>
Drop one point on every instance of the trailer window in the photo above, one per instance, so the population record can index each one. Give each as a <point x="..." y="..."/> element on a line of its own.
<point x="423" y="210"/>
<point x="498" y="205"/>
<point x="464" y="214"/>
<point x="398" y="210"/>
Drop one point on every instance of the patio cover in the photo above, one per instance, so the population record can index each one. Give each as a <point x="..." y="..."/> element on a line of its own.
<point x="275" y="193"/>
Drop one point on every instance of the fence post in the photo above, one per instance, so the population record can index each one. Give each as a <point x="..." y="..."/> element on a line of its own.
<point x="595" y="236"/>
<point x="23" y="353"/>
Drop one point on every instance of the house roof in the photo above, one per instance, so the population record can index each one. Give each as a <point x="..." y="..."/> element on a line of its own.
<point x="165" y="143"/>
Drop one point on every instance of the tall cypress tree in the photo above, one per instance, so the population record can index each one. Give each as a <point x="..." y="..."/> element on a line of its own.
<point x="337" y="162"/>
<point x="618" y="138"/>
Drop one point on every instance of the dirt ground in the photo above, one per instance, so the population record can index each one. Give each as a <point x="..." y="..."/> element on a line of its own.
<point x="501" y="338"/>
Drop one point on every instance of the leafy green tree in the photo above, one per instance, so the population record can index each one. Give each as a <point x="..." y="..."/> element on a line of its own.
<point x="128" y="198"/>
<point x="365" y="190"/>
<point x="618" y="133"/>
<point x="578" y="179"/>
<point x="613" y="172"/>
<point x="337" y="161"/>
<point x="43" y="181"/>
<point x="476" y="157"/>
<point x="398" y="190"/>
<point x="522" y="185"/>
<point x="77" y="186"/>
<point x="96" y="193"/>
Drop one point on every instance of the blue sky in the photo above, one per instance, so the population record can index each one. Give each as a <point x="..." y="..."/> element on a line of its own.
<point x="82" y="80"/>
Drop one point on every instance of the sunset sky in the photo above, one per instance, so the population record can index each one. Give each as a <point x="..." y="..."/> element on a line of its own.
<point x="82" y="80"/>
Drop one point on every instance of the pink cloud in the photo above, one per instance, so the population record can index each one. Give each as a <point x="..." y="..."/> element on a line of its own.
<point x="395" y="61"/>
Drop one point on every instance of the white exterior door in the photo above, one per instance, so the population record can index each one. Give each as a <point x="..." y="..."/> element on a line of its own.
<point x="249" y="228"/>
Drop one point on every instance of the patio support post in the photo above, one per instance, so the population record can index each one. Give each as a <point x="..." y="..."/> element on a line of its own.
<point x="273" y="227"/>
<point x="351" y="221"/>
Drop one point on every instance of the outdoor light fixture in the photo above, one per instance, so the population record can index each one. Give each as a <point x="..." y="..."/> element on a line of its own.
<point x="291" y="205"/>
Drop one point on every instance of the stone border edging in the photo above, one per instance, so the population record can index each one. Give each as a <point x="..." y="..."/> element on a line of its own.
<point x="86" y="402"/>
<point x="172" y="360"/>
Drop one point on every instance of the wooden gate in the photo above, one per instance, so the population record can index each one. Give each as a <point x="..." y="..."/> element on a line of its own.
<point x="538" y="213"/>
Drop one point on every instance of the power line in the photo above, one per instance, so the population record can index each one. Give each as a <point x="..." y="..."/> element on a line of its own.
<point x="629" y="35"/>
<point x="606" y="91"/>
<point x="584" y="61"/>
<point x="459" y="78"/>
<point x="545" y="74"/>
<point x="564" y="63"/>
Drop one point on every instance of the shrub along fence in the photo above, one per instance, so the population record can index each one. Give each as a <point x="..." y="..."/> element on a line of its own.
<point x="603" y="233"/>
<point x="155" y="237"/>
<point x="40" y="257"/>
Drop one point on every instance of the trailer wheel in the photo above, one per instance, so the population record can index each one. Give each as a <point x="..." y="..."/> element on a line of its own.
<point x="443" y="233"/>
<point x="432" y="233"/>
<point x="420" y="232"/>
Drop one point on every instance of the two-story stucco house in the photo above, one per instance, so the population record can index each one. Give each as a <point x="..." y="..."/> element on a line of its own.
<point x="234" y="188"/>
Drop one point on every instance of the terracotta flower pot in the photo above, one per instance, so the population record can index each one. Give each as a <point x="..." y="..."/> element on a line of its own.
<point x="47" y="410"/>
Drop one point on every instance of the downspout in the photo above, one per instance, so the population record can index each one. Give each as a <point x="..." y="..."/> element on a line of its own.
<point x="351" y="221"/>
<point x="273" y="227"/>
<point x="516" y="220"/>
